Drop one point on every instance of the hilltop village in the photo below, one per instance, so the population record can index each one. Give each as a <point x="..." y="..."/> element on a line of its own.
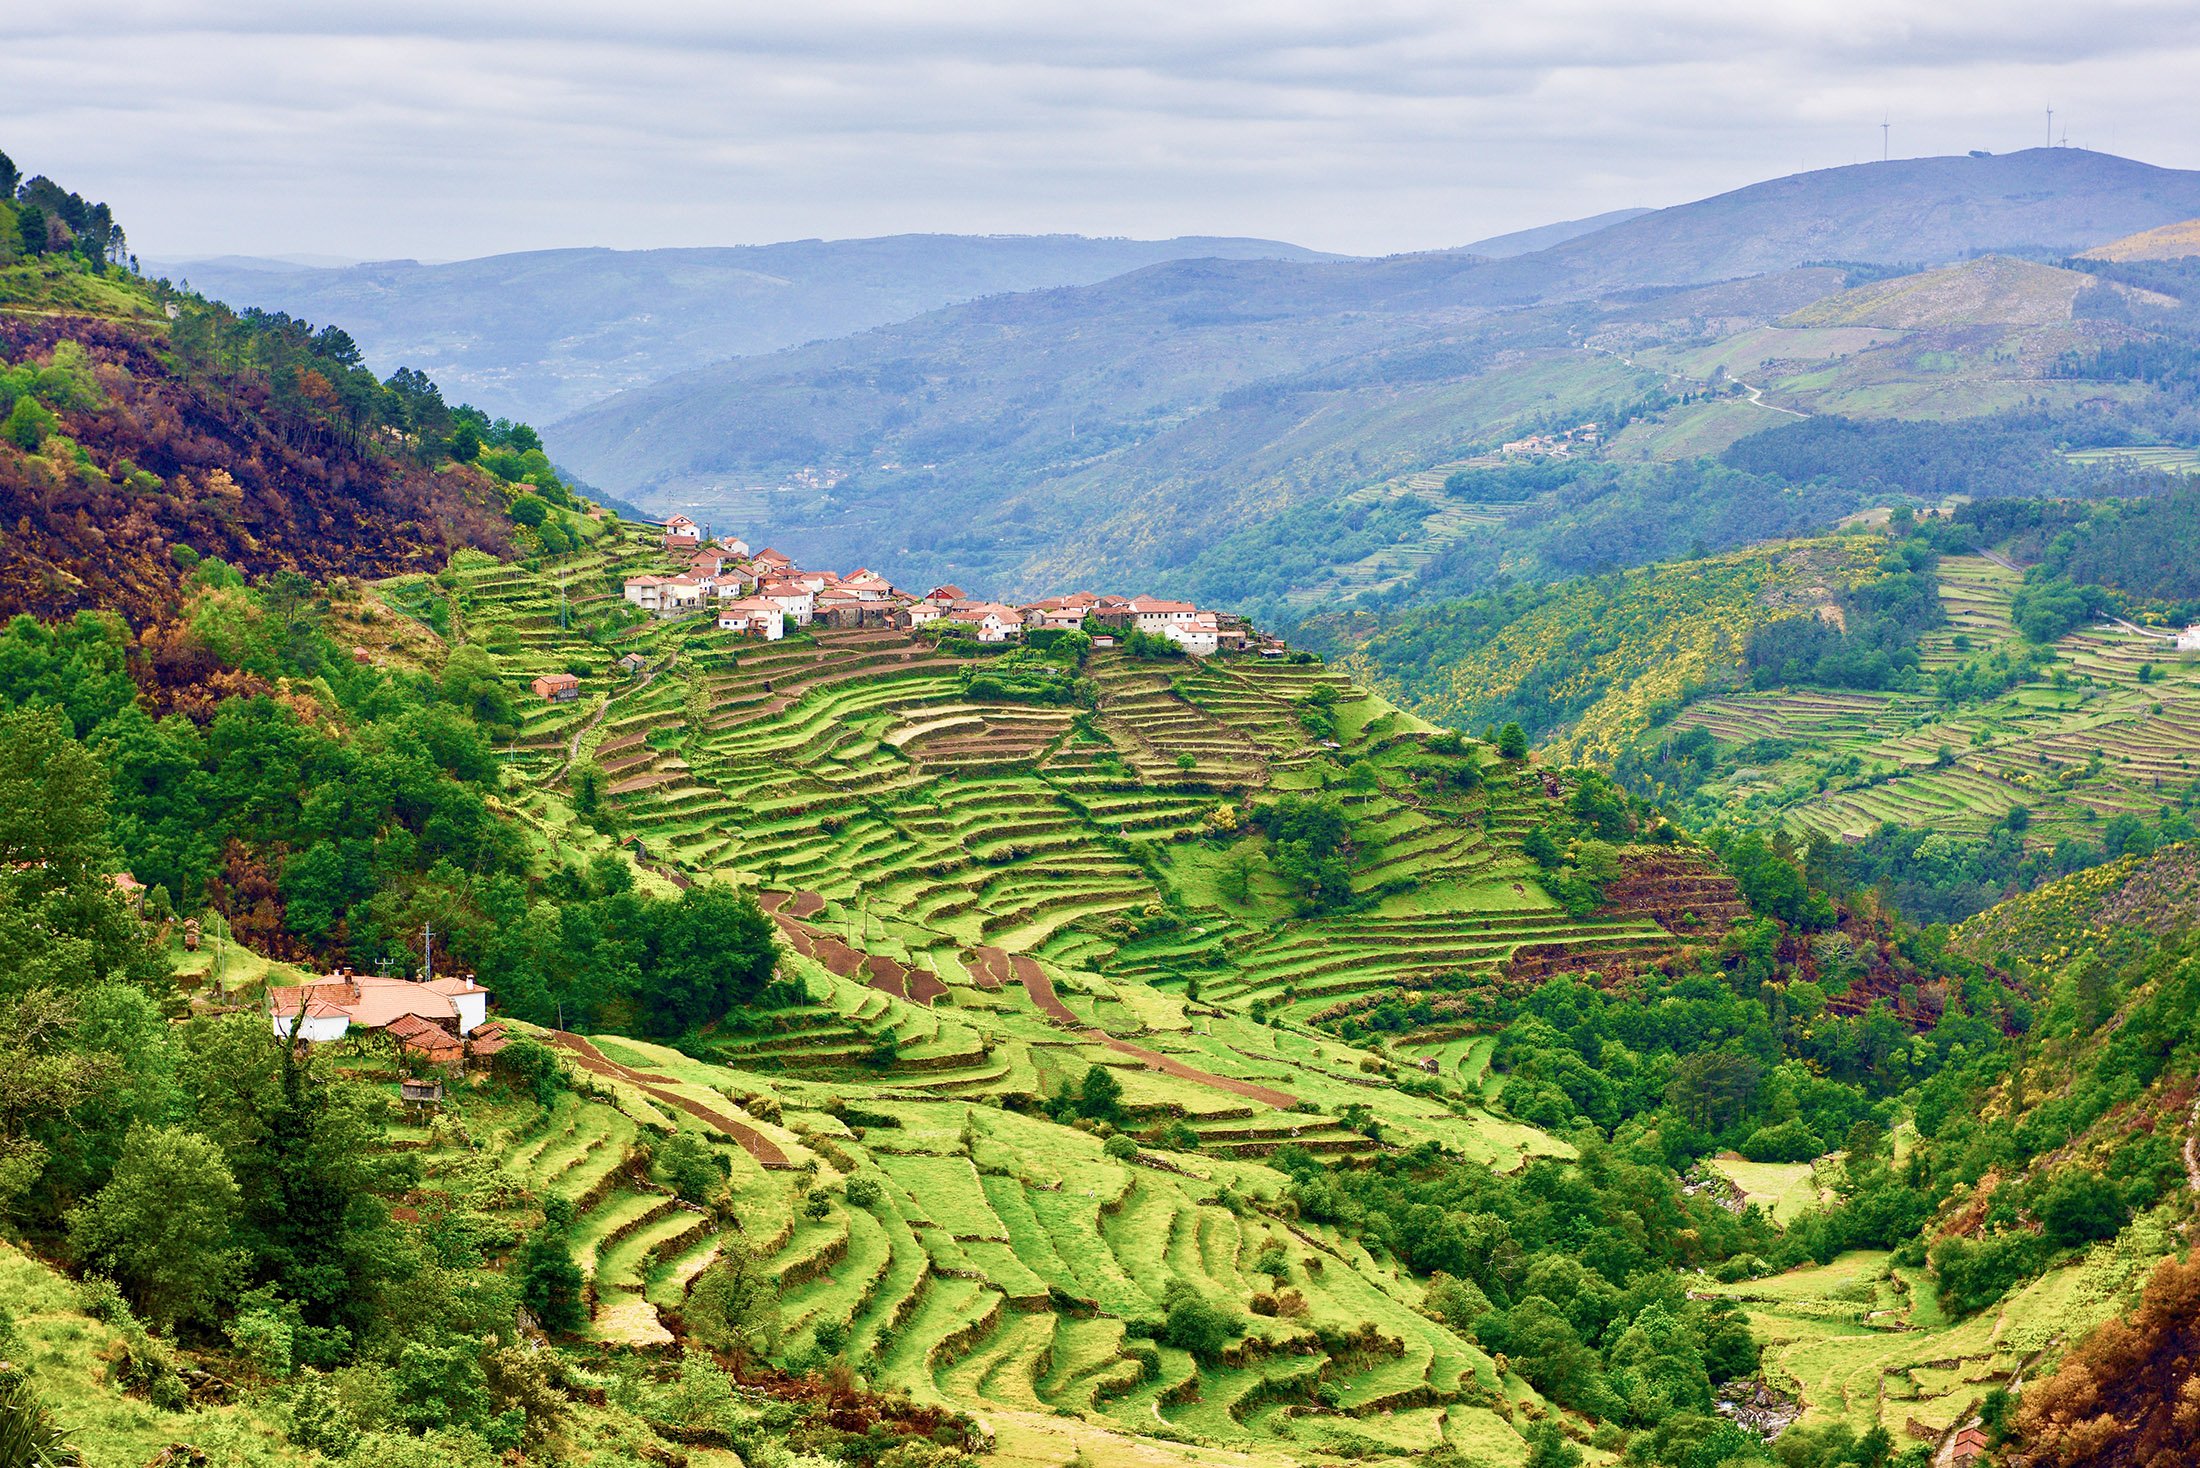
<point x="763" y="592"/>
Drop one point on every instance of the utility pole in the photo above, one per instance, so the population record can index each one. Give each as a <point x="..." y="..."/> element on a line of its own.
<point x="427" y="953"/>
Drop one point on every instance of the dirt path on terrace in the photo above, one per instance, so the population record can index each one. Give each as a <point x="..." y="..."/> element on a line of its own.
<point x="589" y="1058"/>
<point x="991" y="968"/>
<point x="1041" y="990"/>
<point x="573" y="745"/>
<point x="888" y="975"/>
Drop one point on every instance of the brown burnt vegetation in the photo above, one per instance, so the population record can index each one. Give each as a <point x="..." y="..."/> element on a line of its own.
<point x="221" y="463"/>
<point x="2128" y="1396"/>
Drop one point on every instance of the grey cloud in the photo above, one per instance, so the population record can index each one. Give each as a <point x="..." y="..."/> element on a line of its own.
<point x="445" y="129"/>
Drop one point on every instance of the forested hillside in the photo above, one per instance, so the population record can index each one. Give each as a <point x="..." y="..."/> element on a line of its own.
<point x="1944" y="729"/>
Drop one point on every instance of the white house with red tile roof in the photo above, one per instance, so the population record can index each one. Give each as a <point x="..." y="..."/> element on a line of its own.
<point x="756" y="616"/>
<point x="769" y="557"/>
<point x="992" y="621"/>
<point x="328" y="1008"/>
<point x="1155" y="615"/>
<point x="734" y="545"/>
<point x="796" y="600"/>
<point x="1199" y="636"/>
<point x="681" y="534"/>
<point x="1055" y="615"/>
<point x="715" y="561"/>
<point x="647" y="592"/>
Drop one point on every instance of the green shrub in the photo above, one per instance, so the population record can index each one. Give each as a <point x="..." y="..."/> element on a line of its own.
<point x="2079" y="1207"/>
<point x="692" y="1170"/>
<point x="1790" y="1141"/>
<point x="1196" y="1324"/>
<point x="1973" y="1275"/>
<point x="1179" y="1136"/>
<point x="550" y="1283"/>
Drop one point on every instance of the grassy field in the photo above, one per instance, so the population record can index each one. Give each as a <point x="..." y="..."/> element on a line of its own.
<point x="1862" y="1340"/>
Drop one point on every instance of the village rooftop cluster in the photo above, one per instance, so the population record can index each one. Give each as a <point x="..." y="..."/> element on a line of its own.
<point x="761" y="592"/>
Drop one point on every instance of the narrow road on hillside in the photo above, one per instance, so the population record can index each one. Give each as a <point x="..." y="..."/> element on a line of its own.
<point x="573" y="745"/>
<point x="1755" y="394"/>
<point x="2152" y="634"/>
<point x="2192" y="1150"/>
<point x="1040" y="989"/>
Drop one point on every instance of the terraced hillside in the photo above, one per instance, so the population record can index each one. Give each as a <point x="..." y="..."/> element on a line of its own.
<point x="2113" y="726"/>
<point x="987" y="901"/>
<point x="1863" y="1341"/>
<point x="997" y="1262"/>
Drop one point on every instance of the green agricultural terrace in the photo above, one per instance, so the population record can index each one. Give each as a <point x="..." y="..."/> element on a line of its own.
<point x="985" y="901"/>
<point x="2111" y="726"/>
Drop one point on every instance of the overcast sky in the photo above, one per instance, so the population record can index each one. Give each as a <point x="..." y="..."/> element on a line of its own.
<point x="441" y="130"/>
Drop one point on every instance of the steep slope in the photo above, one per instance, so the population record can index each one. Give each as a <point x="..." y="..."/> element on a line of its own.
<point x="541" y="334"/>
<point x="1993" y="291"/>
<point x="129" y="457"/>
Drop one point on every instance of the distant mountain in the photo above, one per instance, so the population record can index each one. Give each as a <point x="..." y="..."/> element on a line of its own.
<point x="540" y="334"/>
<point x="1924" y="211"/>
<point x="1120" y="427"/>
<point x="1527" y="241"/>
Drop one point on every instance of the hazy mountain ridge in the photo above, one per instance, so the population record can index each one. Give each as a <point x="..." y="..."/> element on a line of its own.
<point x="541" y="333"/>
<point x="953" y="432"/>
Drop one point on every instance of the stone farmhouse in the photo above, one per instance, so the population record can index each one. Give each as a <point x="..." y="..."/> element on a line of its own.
<point x="557" y="687"/>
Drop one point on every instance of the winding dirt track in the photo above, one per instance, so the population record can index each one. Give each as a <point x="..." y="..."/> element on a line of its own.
<point x="991" y="968"/>
<point x="589" y="1058"/>
<point x="1041" y="990"/>
<point x="888" y="975"/>
<point x="2192" y="1150"/>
